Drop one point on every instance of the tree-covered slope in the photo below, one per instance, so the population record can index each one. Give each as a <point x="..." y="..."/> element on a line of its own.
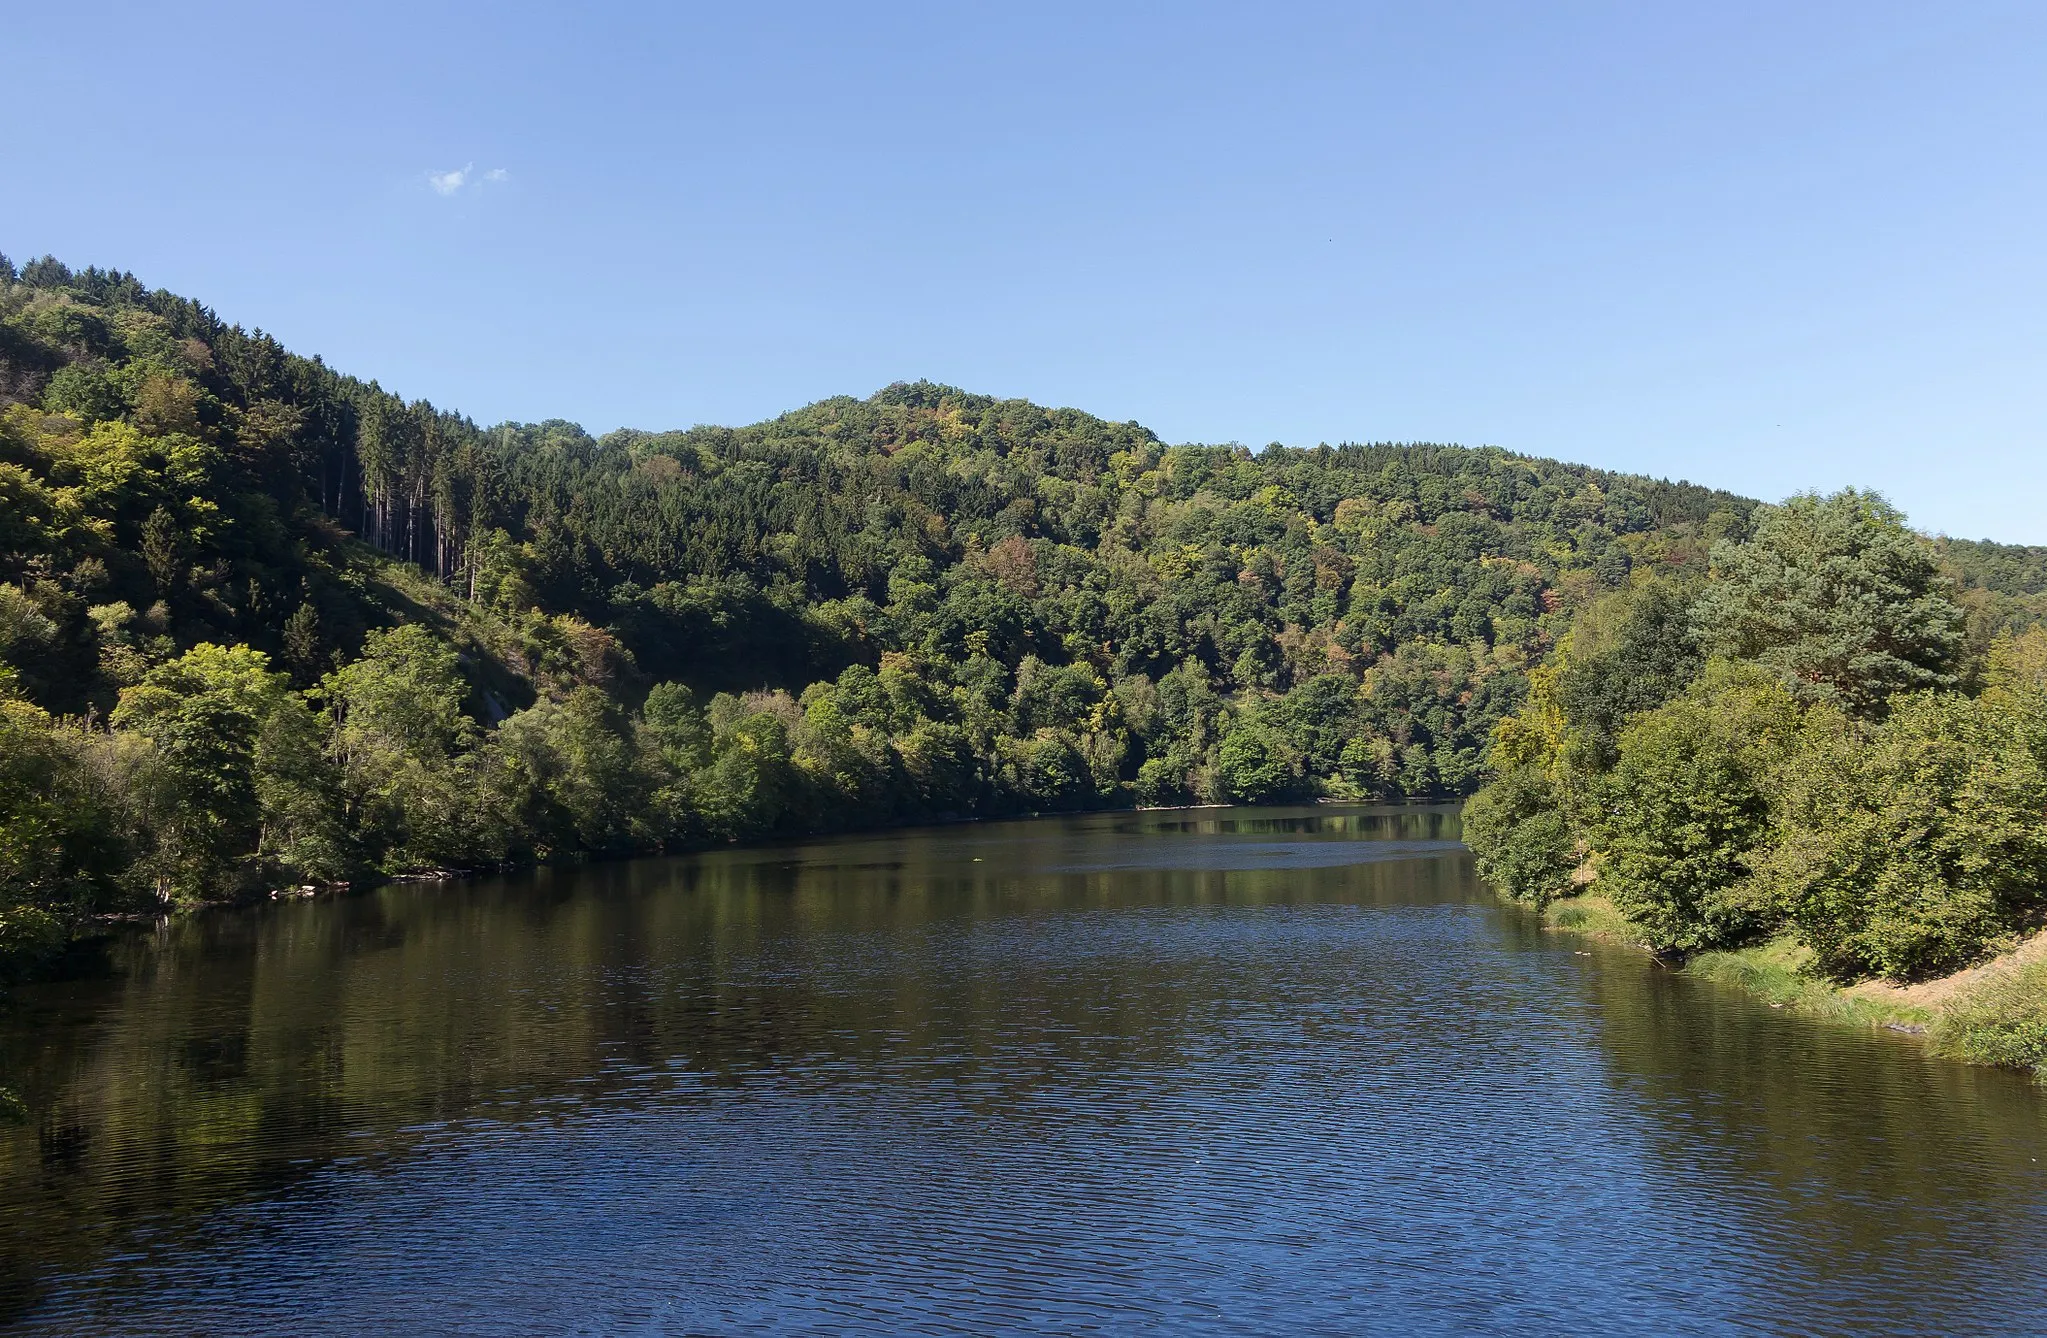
<point x="262" y="622"/>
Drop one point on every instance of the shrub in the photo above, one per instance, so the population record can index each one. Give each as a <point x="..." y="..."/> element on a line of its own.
<point x="1516" y="828"/>
<point x="1687" y="804"/>
<point x="1912" y="849"/>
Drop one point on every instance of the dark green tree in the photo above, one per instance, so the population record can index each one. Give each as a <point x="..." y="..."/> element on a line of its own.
<point x="1839" y="599"/>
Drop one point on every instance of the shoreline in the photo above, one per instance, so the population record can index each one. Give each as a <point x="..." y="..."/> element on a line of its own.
<point x="1993" y="1013"/>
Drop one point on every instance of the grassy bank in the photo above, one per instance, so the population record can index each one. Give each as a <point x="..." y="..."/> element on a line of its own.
<point x="2002" y="1020"/>
<point x="1995" y="1013"/>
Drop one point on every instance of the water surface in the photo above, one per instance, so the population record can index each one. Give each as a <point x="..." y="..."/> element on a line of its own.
<point x="1230" y="1071"/>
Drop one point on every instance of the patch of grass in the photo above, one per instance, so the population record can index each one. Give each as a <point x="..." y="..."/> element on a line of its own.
<point x="1776" y="972"/>
<point x="2001" y="1020"/>
<point x="1593" y="916"/>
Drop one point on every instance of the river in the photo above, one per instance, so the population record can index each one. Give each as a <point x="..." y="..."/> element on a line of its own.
<point x="1229" y="1071"/>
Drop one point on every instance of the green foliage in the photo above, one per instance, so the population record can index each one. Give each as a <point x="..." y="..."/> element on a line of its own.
<point x="939" y="763"/>
<point x="1840" y="599"/>
<point x="1628" y="652"/>
<point x="300" y="793"/>
<point x="1522" y="839"/>
<point x="1833" y="781"/>
<point x="1253" y="765"/>
<point x="302" y="641"/>
<point x="1911" y="848"/>
<point x="406" y="751"/>
<point x="751" y="782"/>
<point x="62" y="847"/>
<point x="675" y="724"/>
<point x="1685" y="806"/>
<point x="27" y="638"/>
<point x="204" y="714"/>
<point x="1047" y="770"/>
<point x="83" y="388"/>
<point x="585" y="784"/>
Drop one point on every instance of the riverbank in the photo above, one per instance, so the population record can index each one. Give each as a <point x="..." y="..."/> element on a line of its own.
<point x="1991" y="1013"/>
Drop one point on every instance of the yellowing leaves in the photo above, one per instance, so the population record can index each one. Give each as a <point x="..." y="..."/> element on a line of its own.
<point x="116" y="458"/>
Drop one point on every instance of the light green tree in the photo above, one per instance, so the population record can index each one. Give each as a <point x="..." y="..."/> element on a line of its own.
<point x="1912" y="847"/>
<point x="1517" y="828"/>
<point x="237" y="773"/>
<point x="1254" y="765"/>
<point x="405" y="746"/>
<point x="65" y="841"/>
<point x="583" y="780"/>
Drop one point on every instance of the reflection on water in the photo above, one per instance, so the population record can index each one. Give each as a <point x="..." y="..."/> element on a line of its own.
<point x="1230" y="1071"/>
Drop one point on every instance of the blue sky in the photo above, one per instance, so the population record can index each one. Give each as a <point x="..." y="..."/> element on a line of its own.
<point x="1766" y="246"/>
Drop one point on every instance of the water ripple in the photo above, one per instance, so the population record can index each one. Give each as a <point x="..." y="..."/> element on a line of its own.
<point x="1274" y="1083"/>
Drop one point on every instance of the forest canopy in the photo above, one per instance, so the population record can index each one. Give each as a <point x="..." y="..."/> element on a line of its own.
<point x="265" y="625"/>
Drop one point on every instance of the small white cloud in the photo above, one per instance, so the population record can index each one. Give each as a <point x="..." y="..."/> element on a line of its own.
<point x="447" y="183"/>
<point x="465" y="177"/>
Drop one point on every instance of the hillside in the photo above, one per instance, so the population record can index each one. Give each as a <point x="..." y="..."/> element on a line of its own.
<point x="264" y="624"/>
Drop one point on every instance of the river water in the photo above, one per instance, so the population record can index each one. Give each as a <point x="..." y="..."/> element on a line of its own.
<point x="1230" y="1071"/>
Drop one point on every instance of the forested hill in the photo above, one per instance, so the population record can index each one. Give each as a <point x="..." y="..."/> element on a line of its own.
<point x="262" y="621"/>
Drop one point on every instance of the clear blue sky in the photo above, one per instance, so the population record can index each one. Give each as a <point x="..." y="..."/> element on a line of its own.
<point x="1763" y="246"/>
